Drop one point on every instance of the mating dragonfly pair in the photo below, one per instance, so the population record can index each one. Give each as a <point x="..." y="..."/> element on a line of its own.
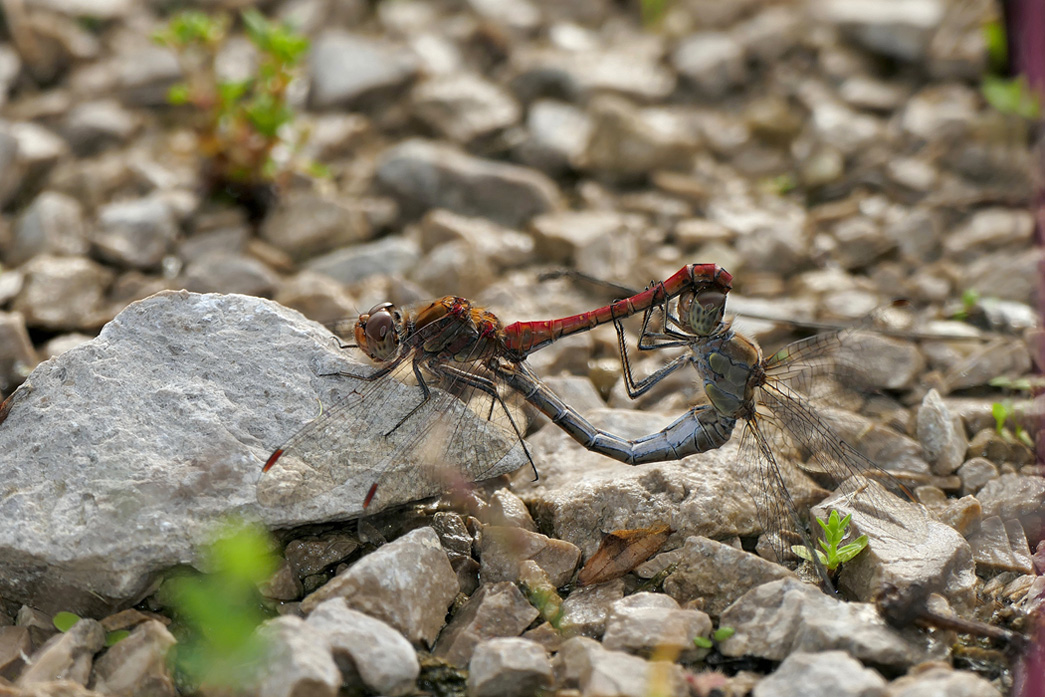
<point x="468" y="373"/>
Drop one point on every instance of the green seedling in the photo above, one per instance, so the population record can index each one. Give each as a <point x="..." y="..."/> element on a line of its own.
<point x="1004" y="412"/>
<point x="970" y="298"/>
<point x="216" y="614"/>
<point x="241" y="125"/>
<point x="653" y="12"/>
<point x="64" y="621"/>
<point x="834" y="553"/>
<point x="717" y="637"/>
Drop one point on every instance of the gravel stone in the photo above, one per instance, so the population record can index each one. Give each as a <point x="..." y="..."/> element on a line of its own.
<point x="495" y="610"/>
<point x="988" y="230"/>
<point x="407" y="583"/>
<point x="507" y="509"/>
<point x="975" y="473"/>
<point x="629" y="70"/>
<point x="941" y="680"/>
<point x="627" y="142"/>
<point x="1001" y="546"/>
<point x="558" y="133"/>
<point x="362" y="646"/>
<point x="501" y="549"/>
<point x="825" y="674"/>
<point x="787" y="616"/>
<point x="65" y="656"/>
<point x="718" y="574"/>
<point x="1013" y="496"/>
<point x="137" y="664"/>
<point x="941" y="434"/>
<point x="424" y="174"/>
<point x="643" y="625"/>
<point x="388" y="256"/>
<point x="583" y="664"/>
<point x="304" y="225"/>
<point x="17" y="356"/>
<point x="52" y="224"/>
<point x="585" y="611"/>
<point x="95" y="126"/>
<point x="509" y="667"/>
<point x="229" y="273"/>
<point x="352" y="71"/>
<point x="297" y="662"/>
<point x="63" y="293"/>
<point x="310" y="555"/>
<point x="894" y="28"/>
<point x="15" y="646"/>
<point x="464" y="107"/>
<point x="713" y="62"/>
<point x="316" y="296"/>
<point x="136" y="234"/>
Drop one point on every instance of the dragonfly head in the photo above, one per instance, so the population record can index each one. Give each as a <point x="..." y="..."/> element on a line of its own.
<point x="701" y="312"/>
<point x="377" y="332"/>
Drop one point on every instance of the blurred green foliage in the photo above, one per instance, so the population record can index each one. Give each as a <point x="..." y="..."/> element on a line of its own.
<point x="833" y="553"/>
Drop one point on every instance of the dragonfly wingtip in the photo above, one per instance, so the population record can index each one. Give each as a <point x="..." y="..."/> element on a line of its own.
<point x="272" y="459"/>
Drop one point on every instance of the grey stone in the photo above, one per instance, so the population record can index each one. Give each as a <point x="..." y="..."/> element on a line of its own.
<point x="362" y="646"/>
<point x="495" y="610"/>
<point x="627" y="142"/>
<point x="137" y="664"/>
<point x="557" y="134"/>
<point x="297" y="662"/>
<point x="28" y="152"/>
<point x="1001" y="546"/>
<point x="199" y="368"/>
<point x="585" y="611"/>
<point x="839" y="127"/>
<point x="643" y="624"/>
<point x="229" y="273"/>
<point x="938" y="111"/>
<point x="349" y="70"/>
<point x="39" y="624"/>
<point x="388" y="256"/>
<point x="91" y="127"/>
<point x="787" y="616"/>
<point x="860" y="242"/>
<point x="455" y="268"/>
<point x="942" y="680"/>
<point x="583" y="664"/>
<point x="52" y="224"/>
<point x="574" y="237"/>
<point x="987" y="230"/>
<point x="136" y="234"/>
<point x="15" y="648"/>
<point x="10" y="65"/>
<point x="976" y="472"/>
<point x="423" y="174"/>
<point x="999" y="357"/>
<point x="17" y="356"/>
<point x="908" y="547"/>
<point x="718" y="574"/>
<point x="509" y="667"/>
<point x="941" y="434"/>
<point x="310" y="555"/>
<point x="1015" y="497"/>
<point x="63" y="293"/>
<point x="713" y="62"/>
<point x="628" y="69"/>
<point x="822" y="674"/>
<point x="507" y="509"/>
<point x="407" y="583"/>
<point x="501" y="549"/>
<point x="306" y="224"/>
<point x="894" y="28"/>
<point x="504" y="248"/>
<point x="317" y="296"/>
<point x="464" y="107"/>
<point x="283" y="584"/>
<point x="66" y="656"/>
<point x="865" y="92"/>
<point x="145" y="74"/>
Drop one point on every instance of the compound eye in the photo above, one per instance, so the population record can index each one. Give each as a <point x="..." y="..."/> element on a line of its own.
<point x="379" y="324"/>
<point x="702" y="312"/>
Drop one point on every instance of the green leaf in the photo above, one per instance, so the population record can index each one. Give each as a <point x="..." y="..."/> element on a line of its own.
<point x="847" y="552"/>
<point x="1011" y="96"/>
<point x="702" y="642"/>
<point x="64" y="621"/>
<point x="318" y="170"/>
<point x="997" y="45"/>
<point x="1001" y="415"/>
<point x="178" y="94"/>
<point x="723" y="633"/>
<point x="118" y="635"/>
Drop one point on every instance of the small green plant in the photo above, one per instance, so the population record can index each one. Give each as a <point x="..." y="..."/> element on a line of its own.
<point x="64" y="621"/>
<point x="1004" y="413"/>
<point x="216" y="614"/>
<point x="780" y="185"/>
<point x="717" y="637"/>
<point x="653" y="12"/>
<point x="1008" y="95"/>
<point x="239" y="123"/>
<point x="970" y="298"/>
<point x="834" y="553"/>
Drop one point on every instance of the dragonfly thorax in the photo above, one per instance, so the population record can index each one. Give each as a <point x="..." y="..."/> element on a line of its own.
<point x="733" y="372"/>
<point x="378" y="332"/>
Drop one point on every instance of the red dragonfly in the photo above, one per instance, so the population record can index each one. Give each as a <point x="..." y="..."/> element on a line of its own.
<point x="470" y="370"/>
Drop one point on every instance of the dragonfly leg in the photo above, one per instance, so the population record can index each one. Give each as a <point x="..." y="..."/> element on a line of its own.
<point x="638" y="388"/>
<point x="426" y="394"/>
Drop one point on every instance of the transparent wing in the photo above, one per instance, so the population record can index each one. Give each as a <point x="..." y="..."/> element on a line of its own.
<point x="384" y="444"/>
